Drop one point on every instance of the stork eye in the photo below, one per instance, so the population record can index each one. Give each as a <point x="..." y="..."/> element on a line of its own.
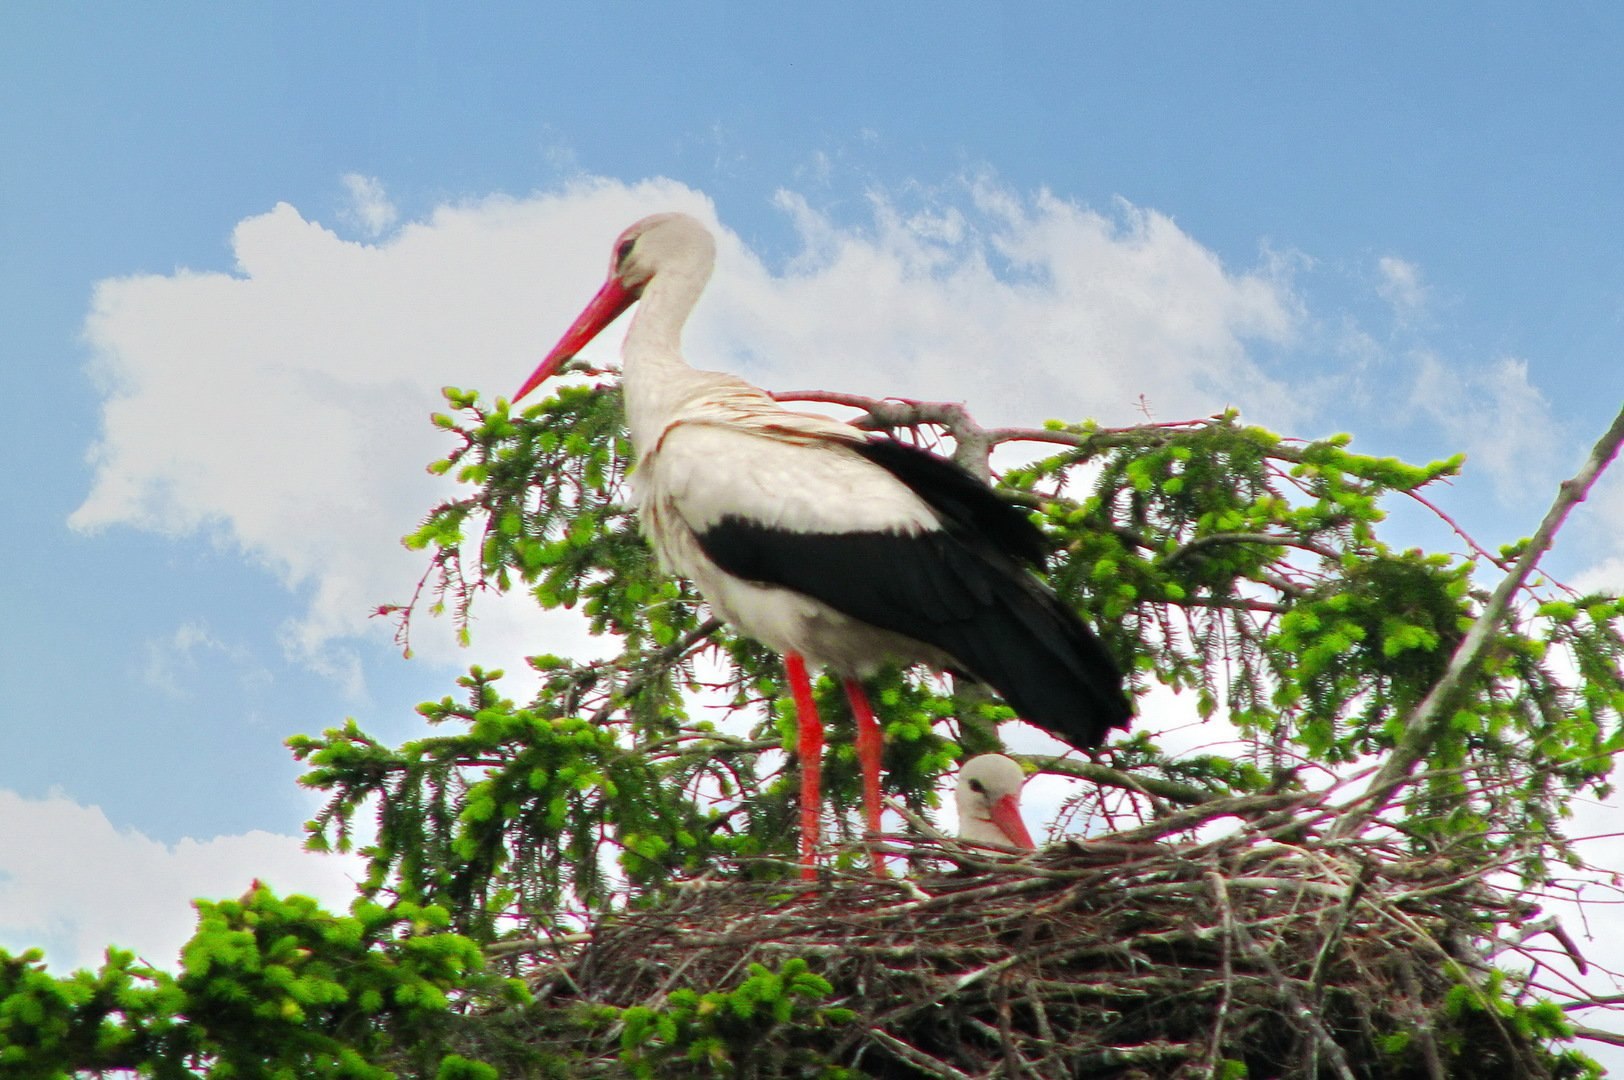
<point x="978" y="787"/>
<point x="623" y="252"/>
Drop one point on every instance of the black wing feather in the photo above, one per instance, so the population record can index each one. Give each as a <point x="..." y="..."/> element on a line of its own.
<point x="961" y="589"/>
<point x="959" y="498"/>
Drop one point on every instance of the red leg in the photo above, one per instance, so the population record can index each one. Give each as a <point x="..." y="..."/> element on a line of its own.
<point x="810" y="729"/>
<point x="870" y="745"/>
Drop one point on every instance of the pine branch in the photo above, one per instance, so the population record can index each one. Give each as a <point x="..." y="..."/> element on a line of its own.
<point x="1432" y="714"/>
<point x="652" y="667"/>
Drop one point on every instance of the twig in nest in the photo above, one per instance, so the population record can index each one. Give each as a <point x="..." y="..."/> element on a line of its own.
<point x="1550" y="925"/>
<point x="1423" y="1027"/>
<point x="1226" y="972"/>
<point x="918" y="1058"/>
<point x="1344" y="914"/>
<point x="1100" y="957"/>
<point x="1304" y="1015"/>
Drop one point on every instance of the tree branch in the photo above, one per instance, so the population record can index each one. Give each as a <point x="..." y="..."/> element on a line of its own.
<point x="650" y="668"/>
<point x="1612" y="1038"/>
<point x="1266" y="539"/>
<point x="1171" y="790"/>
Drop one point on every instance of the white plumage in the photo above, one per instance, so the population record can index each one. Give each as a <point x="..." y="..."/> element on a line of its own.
<point x="810" y="488"/>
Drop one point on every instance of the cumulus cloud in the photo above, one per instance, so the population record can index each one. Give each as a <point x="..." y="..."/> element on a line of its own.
<point x="281" y="408"/>
<point x="73" y="884"/>
<point x="1606" y="576"/>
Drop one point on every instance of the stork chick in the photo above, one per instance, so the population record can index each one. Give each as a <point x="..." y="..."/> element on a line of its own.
<point x="989" y="802"/>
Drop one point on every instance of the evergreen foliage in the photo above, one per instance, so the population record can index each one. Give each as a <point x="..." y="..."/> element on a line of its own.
<point x="1217" y="558"/>
<point x="268" y="987"/>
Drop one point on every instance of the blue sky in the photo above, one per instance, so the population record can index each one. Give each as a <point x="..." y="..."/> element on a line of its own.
<point x="1373" y="218"/>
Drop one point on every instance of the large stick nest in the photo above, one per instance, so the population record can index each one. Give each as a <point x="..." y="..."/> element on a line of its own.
<point x="1134" y="955"/>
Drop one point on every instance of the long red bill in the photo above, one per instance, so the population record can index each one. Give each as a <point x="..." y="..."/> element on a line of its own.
<point x="611" y="300"/>
<point x="1006" y="814"/>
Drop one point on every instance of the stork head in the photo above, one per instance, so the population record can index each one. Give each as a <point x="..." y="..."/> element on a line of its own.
<point x="989" y="799"/>
<point x="658" y="242"/>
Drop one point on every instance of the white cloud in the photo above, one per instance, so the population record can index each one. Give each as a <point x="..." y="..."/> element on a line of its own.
<point x="281" y="409"/>
<point x="172" y="661"/>
<point x="818" y="170"/>
<point x="73" y="884"/>
<point x="1599" y="527"/>
<point x="369" y="207"/>
<point x="1606" y="576"/>
<point x="1029" y="309"/>
<point x="1401" y="286"/>
<point x="1498" y="415"/>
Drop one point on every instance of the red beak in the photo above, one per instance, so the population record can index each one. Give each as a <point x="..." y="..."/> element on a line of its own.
<point x="1006" y="814"/>
<point x="611" y="300"/>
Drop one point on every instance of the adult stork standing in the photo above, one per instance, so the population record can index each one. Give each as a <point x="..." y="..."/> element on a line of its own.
<point x="834" y="546"/>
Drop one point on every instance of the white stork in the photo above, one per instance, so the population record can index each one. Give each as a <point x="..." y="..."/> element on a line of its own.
<point x="989" y="801"/>
<point x="834" y="546"/>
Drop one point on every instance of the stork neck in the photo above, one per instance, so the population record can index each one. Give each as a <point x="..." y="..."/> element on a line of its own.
<point x="663" y="310"/>
<point x="654" y="373"/>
